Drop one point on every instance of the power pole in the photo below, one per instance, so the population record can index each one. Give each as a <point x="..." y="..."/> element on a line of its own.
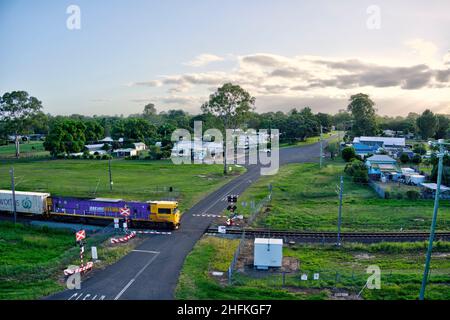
<point x="321" y="147"/>
<point x="433" y="221"/>
<point x="13" y="189"/>
<point x="341" y="190"/>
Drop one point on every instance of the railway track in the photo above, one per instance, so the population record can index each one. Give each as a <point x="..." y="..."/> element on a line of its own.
<point x="324" y="236"/>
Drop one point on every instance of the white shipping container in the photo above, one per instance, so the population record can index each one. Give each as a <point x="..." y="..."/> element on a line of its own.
<point x="26" y="202"/>
<point x="268" y="253"/>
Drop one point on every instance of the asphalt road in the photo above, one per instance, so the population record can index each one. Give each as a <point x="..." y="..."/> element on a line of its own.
<point x="151" y="271"/>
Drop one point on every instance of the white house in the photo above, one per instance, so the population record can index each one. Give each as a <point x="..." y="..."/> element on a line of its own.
<point x="128" y="152"/>
<point x="140" y="146"/>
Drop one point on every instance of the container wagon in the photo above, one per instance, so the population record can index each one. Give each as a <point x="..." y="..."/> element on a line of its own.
<point x="26" y="202"/>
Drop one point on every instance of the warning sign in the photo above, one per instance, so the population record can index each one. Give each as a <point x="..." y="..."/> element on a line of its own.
<point x="125" y="212"/>
<point x="80" y="235"/>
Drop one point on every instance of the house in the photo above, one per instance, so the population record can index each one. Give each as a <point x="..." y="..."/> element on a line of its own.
<point x="95" y="148"/>
<point x="128" y="152"/>
<point x="389" y="144"/>
<point x="107" y="140"/>
<point x="139" y="146"/>
<point x="364" y="150"/>
<point x="199" y="150"/>
<point x="428" y="191"/>
<point x="380" y="166"/>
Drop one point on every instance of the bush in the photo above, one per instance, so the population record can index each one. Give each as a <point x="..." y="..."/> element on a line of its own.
<point x="91" y="157"/>
<point x="420" y="149"/>
<point x="412" y="194"/>
<point x="416" y="159"/>
<point x="387" y="195"/>
<point x="105" y="157"/>
<point x="404" y="158"/>
<point x="348" y="154"/>
<point x="358" y="171"/>
<point x="98" y="157"/>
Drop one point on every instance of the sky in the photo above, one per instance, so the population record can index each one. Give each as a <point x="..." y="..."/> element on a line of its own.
<point x="175" y="53"/>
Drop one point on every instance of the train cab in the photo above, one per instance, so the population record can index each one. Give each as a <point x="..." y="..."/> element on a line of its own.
<point x="165" y="212"/>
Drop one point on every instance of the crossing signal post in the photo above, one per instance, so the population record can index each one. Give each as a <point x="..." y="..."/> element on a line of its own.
<point x="232" y="200"/>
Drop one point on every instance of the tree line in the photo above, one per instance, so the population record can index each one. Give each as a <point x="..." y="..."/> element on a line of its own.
<point x="227" y="108"/>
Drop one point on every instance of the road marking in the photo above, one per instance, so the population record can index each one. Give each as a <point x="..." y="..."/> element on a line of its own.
<point x="135" y="277"/>
<point x="147" y="251"/>
<point x="209" y="215"/>
<point x="226" y="193"/>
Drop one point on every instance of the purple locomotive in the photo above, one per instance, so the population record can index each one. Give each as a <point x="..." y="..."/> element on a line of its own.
<point x="154" y="213"/>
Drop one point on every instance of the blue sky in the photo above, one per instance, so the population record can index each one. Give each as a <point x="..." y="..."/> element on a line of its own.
<point x="175" y="53"/>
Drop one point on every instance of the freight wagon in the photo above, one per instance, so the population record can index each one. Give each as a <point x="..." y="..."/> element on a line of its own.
<point x="26" y="202"/>
<point x="149" y="214"/>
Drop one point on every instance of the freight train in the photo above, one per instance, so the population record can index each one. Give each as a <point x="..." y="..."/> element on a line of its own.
<point x="163" y="214"/>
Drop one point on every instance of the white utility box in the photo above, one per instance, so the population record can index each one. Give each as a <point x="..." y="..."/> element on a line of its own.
<point x="268" y="253"/>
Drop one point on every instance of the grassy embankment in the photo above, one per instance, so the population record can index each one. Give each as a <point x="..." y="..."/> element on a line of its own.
<point x="32" y="259"/>
<point x="340" y="269"/>
<point x="305" y="198"/>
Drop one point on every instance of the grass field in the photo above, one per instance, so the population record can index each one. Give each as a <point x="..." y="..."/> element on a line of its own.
<point x="133" y="180"/>
<point x="27" y="150"/>
<point x="32" y="259"/>
<point x="340" y="269"/>
<point x="308" y="141"/>
<point x="305" y="198"/>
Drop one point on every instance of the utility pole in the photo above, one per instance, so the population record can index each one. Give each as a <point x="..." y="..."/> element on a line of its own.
<point x="433" y="221"/>
<point x="341" y="190"/>
<point x="321" y="147"/>
<point x="13" y="189"/>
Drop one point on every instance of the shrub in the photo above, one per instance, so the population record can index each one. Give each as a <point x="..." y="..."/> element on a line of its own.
<point x="105" y="157"/>
<point x="412" y="194"/>
<point x="98" y="157"/>
<point x="387" y="195"/>
<point x="348" y="154"/>
<point x="358" y="171"/>
<point x="417" y="159"/>
<point x="404" y="158"/>
<point x="91" y="156"/>
<point x="420" y="149"/>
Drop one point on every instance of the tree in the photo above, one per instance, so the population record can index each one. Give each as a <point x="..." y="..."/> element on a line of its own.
<point x="65" y="136"/>
<point x="420" y="149"/>
<point x="427" y="124"/>
<point x="231" y="104"/>
<point x="325" y="120"/>
<point x="149" y="110"/>
<point x="443" y="125"/>
<point x="363" y="114"/>
<point x="348" y="154"/>
<point x="94" y="131"/>
<point x="16" y="110"/>
<point x="333" y="149"/>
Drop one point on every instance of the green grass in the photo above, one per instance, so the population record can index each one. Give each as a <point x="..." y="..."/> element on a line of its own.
<point x="32" y="259"/>
<point x="401" y="267"/>
<point x="305" y="198"/>
<point x="308" y="141"/>
<point x="27" y="150"/>
<point x="214" y="254"/>
<point x="133" y="180"/>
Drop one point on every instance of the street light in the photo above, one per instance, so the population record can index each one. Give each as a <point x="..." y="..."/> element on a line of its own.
<point x="440" y="156"/>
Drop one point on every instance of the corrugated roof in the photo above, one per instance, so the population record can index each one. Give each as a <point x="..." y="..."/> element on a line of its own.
<point x="268" y="241"/>
<point x="386" y="140"/>
<point x="381" y="158"/>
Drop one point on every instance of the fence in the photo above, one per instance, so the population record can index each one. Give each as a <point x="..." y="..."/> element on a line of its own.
<point x="256" y="210"/>
<point x="233" y="263"/>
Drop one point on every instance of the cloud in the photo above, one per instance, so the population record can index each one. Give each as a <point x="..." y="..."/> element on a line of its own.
<point x="309" y="77"/>
<point x="150" y="83"/>
<point x="422" y="47"/>
<point x="203" y="60"/>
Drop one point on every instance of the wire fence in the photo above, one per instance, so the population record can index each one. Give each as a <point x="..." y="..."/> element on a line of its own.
<point x="351" y="280"/>
<point x="232" y="267"/>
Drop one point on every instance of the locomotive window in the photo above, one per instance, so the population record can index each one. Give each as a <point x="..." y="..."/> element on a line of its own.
<point x="164" y="211"/>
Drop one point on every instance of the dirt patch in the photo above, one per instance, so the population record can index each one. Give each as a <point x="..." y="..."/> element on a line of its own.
<point x="364" y="256"/>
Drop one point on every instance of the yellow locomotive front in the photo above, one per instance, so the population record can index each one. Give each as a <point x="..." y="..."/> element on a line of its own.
<point x="165" y="212"/>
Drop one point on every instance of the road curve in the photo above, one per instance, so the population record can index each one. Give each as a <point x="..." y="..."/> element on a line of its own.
<point x="151" y="271"/>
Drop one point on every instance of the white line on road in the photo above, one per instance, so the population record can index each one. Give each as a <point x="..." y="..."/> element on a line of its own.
<point x="147" y="251"/>
<point x="136" y="276"/>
